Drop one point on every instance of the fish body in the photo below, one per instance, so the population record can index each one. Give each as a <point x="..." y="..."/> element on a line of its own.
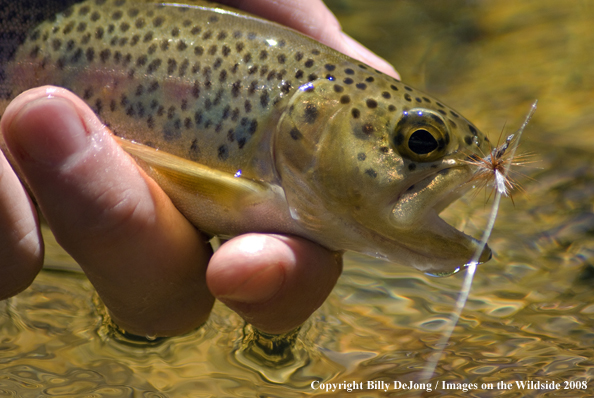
<point x="252" y="127"/>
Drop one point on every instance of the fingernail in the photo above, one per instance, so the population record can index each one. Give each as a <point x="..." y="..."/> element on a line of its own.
<point x="369" y="57"/>
<point x="47" y="130"/>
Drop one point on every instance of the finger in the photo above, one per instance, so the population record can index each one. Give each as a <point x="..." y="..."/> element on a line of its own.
<point x="144" y="258"/>
<point x="274" y="282"/>
<point x="21" y="245"/>
<point x="313" y="18"/>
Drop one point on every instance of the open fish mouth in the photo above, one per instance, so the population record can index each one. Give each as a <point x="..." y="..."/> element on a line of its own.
<point x="416" y="210"/>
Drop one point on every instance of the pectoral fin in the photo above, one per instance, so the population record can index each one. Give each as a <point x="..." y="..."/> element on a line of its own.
<point x="183" y="178"/>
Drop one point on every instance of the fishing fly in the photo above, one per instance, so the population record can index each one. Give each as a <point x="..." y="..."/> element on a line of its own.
<point x="494" y="167"/>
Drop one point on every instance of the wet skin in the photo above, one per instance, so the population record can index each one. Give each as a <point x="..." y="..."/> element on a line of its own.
<point x="152" y="268"/>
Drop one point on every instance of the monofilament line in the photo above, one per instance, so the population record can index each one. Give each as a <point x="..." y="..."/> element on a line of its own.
<point x="471" y="266"/>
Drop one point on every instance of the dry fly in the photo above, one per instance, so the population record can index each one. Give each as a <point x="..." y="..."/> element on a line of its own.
<point x="494" y="167"/>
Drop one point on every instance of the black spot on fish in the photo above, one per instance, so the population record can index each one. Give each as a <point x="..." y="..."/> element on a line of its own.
<point x="468" y="140"/>
<point x="226" y="51"/>
<point x="90" y="54"/>
<point x="154" y="86"/>
<point x="361" y="156"/>
<point x="252" y="87"/>
<point x="264" y="99"/>
<point x="312" y="77"/>
<point x="194" y="146"/>
<point x="408" y="88"/>
<point x="223" y="152"/>
<point x="236" y="88"/>
<point x="171" y="66"/>
<point x="472" y="129"/>
<point x="345" y="99"/>
<point x="198" y="117"/>
<point x="281" y="58"/>
<point x="88" y="93"/>
<point x="175" y="32"/>
<point x="141" y="61"/>
<point x="311" y="113"/>
<point x="286" y="87"/>
<point x="440" y="104"/>
<point x="198" y="50"/>
<point x="299" y="74"/>
<point x="348" y="80"/>
<point x="181" y="45"/>
<point x="386" y="95"/>
<point x="150" y="122"/>
<point x="95" y="16"/>
<point x="99" y="32"/>
<point x="309" y="63"/>
<point x="356" y="113"/>
<point x="298" y="56"/>
<point x="368" y="128"/>
<point x="441" y="111"/>
<point x="391" y="108"/>
<point x="253" y="126"/>
<point x="338" y="88"/>
<point x="361" y="86"/>
<point x="235" y="114"/>
<point x="247" y="106"/>
<point x="153" y="66"/>
<point x="105" y="55"/>
<point x="370" y="79"/>
<point x="412" y="166"/>
<point x="171" y="112"/>
<point x="295" y="134"/>
<point x="371" y="103"/>
<point x="183" y="67"/>
<point x="407" y="97"/>
<point x="184" y="105"/>
<point x="82" y="26"/>
<point x="315" y="51"/>
<point x="158" y="21"/>
<point x="371" y="172"/>
<point x="68" y="28"/>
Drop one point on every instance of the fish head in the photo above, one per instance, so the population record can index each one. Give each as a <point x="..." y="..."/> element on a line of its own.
<point x="369" y="170"/>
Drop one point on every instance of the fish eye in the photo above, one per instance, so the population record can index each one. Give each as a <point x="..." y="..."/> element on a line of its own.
<point x="421" y="136"/>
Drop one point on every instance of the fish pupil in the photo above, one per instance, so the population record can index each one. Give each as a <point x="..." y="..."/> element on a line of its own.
<point x="422" y="142"/>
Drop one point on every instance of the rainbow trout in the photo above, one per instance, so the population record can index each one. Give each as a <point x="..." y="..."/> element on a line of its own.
<point x="252" y="127"/>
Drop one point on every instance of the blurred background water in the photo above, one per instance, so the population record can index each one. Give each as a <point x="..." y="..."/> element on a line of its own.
<point x="530" y="315"/>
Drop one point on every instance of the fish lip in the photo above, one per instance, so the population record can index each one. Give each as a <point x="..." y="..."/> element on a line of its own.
<point x="416" y="210"/>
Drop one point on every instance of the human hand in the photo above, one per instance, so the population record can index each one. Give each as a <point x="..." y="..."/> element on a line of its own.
<point x="154" y="271"/>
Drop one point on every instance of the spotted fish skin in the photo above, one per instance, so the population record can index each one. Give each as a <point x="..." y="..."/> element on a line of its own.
<point x="239" y="94"/>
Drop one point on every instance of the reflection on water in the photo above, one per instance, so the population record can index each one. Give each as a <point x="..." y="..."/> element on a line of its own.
<point x="530" y="315"/>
